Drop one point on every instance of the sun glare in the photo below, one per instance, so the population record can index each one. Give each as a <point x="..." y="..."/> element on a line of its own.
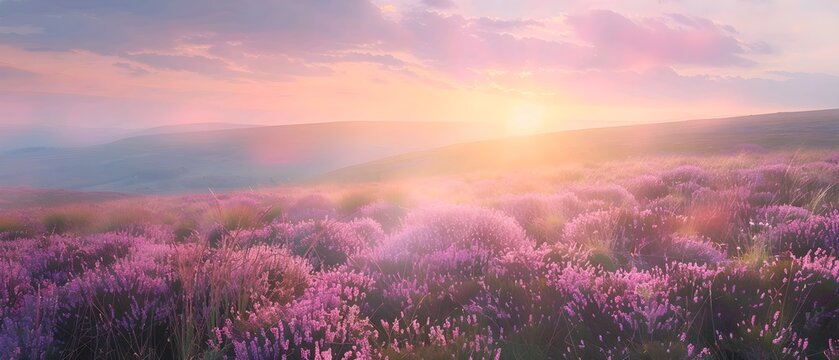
<point x="525" y="119"/>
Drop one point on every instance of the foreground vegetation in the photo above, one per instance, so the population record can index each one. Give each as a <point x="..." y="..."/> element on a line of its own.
<point x="663" y="258"/>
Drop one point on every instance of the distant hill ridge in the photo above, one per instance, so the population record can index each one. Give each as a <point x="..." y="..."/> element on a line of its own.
<point x="227" y="159"/>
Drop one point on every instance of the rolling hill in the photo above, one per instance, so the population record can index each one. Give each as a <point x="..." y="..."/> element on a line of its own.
<point x="14" y="136"/>
<point x="810" y="129"/>
<point x="227" y="159"/>
<point x="184" y="128"/>
<point x="28" y="137"/>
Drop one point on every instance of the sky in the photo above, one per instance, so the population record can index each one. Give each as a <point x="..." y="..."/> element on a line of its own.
<point x="530" y="64"/>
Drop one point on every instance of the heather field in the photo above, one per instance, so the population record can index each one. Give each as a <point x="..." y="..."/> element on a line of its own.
<point x="419" y="179"/>
<point x="712" y="257"/>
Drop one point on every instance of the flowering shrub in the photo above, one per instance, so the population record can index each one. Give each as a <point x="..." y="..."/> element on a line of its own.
<point x="648" y="187"/>
<point x="722" y="259"/>
<point x="13" y="227"/>
<point x="61" y="258"/>
<point x="325" y="321"/>
<point x="118" y="310"/>
<point x="327" y="243"/>
<point x="686" y="174"/>
<point x="694" y="250"/>
<point x="780" y="214"/>
<point x="441" y="228"/>
<point x="542" y="216"/>
<point x="388" y="215"/>
<point x="624" y="237"/>
<point x="15" y="284"/>
<point x="604" y="195"/>
<point x="311" y="207"/>
<point x="802" y="235"/>
<point x="27" y="330"/>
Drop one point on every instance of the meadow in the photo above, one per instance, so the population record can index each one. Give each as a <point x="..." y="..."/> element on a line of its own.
<point x="724" y="256"/>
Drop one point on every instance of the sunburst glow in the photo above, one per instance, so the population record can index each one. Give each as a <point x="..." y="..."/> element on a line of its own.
<point x="526" y="119"/>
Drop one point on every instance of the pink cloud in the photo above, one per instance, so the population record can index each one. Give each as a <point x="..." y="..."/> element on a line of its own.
<point x="505" y="24"/>
<point x="458" y="44"/>
<point x="295" y="29"/>
<point x="617" y="40"/>
<point x="8" y="72"/>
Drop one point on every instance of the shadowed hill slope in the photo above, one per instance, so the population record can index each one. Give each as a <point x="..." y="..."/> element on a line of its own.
<point x="227" y="159"/>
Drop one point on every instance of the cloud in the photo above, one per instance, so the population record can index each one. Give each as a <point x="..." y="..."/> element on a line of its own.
<point x="361" y="57"/>
<point x="662" y="85"/>
<point x="676" y="39"/>
<point x="107" y="111"/>
<point x="280" y="39"/>
<point x="439" y="4"/>
<point x="193" y="63"/>
<point x="132" y="69"/>
<point x="455" y="43"/>
<point x="502" y="24"/>
<point x="296" y="29"/>
<point x="8" y="72"/>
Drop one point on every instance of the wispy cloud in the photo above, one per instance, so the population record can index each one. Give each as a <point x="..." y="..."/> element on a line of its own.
<point x="676" y="39"/>
<point x="8" y="72"/>
<point x="440" y="4"/>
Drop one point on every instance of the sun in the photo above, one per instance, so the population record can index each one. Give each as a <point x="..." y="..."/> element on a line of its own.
<point x="527" y="118"/>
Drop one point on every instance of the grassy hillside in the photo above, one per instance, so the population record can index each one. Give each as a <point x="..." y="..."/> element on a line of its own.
<point x="811" y="129"/>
